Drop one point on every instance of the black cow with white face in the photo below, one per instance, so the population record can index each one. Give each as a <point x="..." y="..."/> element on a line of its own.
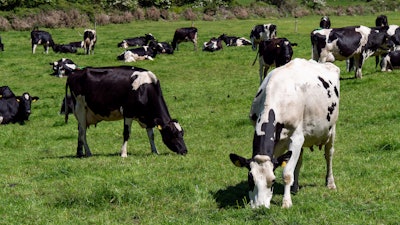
<point x="234" y="41"/>
<point x="262" y="32"/>
<point x="325" y="22"/>
<point x="274" y="52"/>
<point x="214" y="44"/>
<point x="14" y="109"/>
<point x="39" y="37"/>
<point x="358" y="42"/>
<point x="183" y="35"/>
<point x="135" y="54"/>
<point x="63" y="67"/>
<point x="122" y="92"/>
<point x="89" y="41"/>
<point x="136" y="41"/>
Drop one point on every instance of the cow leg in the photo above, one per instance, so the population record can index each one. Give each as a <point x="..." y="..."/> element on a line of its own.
<point x="150" y="135"/>
<point x="358" y="62"/>
<point x="80" y="114"/>
<point x="329" y="150"/>
<point x="34" y="48"/>
<point x="297" y="140"/>
<point x="127" y="134"/>
<point x="295" y="187"/>
<point x="82" y="142"/>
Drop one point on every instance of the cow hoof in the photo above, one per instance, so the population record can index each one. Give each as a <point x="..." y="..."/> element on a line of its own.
<point x="286" y="204"/>
<point x="124" y="155"/>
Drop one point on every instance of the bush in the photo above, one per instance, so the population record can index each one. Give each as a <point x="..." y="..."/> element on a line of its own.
<point x="4" y="24"/>
<point x="153" y="13"/>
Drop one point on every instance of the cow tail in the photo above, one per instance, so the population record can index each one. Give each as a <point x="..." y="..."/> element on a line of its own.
<point x="254" y="62"/>
<point x="66" y="103"/>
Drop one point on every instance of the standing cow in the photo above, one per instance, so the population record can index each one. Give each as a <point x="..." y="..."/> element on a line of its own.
<point x="296" y="106"/>
<point x="39" y="37"/>
<point x="262" y="32"/>
<point x="183" y="35"/>
<point x="15" y="109"/>
<point x="124" y="92"/>
<point x="89" y="41"/>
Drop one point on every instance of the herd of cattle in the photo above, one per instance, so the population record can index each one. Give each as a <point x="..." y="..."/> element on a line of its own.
<point x="293" y="108"/>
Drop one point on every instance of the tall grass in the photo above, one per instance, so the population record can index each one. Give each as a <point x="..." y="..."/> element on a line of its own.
<point x="210" y="94"/>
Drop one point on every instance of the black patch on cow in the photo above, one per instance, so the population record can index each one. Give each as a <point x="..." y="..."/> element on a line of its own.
<point x="336" y="91"/>
<point x="250" y="180"/>
<point x="258" y="93"/>
<point x="253" y="117"/>
<point x="326" y="84"/>
<point x="264" y="144"/>
<point x="330" y="110"/>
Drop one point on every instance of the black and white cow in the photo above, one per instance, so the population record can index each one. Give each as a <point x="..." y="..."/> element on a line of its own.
<point x="40" y="37"/>
<point x="161" y="47"/>
<point x="124" y="92"/>
<point x="64" y="48"/>
<point x="391" y="61"/>
<point x="77" y="44"/>
<point x="381" y="21"/>
<point x="296" y="106"/>
<point x="262" y="32"/>
<point x="1" y="45"/>
<point x="273" y="52"/>
<point x="325" y="22"/>
<point x="14" y="109"/>
<point x="358" y="42"/>
<point x="136" y="41"/>
<point x="234" y="41"/>
<point x="183" y="35"/>
<point x="214" y="44"/>
<point x="63" y="67"/>
<point x="135" y="54"/>
<point x="89" y="41"/>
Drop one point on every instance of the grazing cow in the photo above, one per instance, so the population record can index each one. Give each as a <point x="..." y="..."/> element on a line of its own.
<point x="89" y="41"/>
<point x="14" y="109"/>
<point x="124" y="92"/>
<point x="1" y="45"/>
<point x="358" y="42"/>
<point x="136" y="41"/>
<point x="135" y="54"/>
<point x="325" y="22"/>
<point x="390" y="61"/>
<point x="296" y="106"/>
<point x="63" y="67"/>
<point x="39" y="37"/>
<point x="161" y="47"/>
<point x="276" y="51"/>
<point x="214" y="44"/>
<point x="183" y="35"/>
<point x="64" y="48"/>
<point x="381" y="21"/>
<point x="262" y="32"/>
<point x="234" y="41"/>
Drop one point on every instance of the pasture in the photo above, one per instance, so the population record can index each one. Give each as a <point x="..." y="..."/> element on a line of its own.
<point x="42" y="182"/>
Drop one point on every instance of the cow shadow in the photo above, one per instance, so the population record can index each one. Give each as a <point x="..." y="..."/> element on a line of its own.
<point x="115" y="154"/>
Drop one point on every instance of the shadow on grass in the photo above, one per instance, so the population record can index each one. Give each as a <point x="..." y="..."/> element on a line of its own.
<point x="115" y="154"/>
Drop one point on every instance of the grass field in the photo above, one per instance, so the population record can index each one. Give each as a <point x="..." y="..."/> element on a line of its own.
<point x="42" y="182"/>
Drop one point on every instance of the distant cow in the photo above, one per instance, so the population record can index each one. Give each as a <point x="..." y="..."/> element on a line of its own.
<point x="64" y="48"/>
<point x="381" y="21"/>
<point x="296" y="106"/>
<point x="325" y="22"/>
<point x="391" y="61"/>
<point x="214" y="44"/>
<point x="77" y="44"/>
<point x="358" y="42"/>
<point x="273" y="52"/>
<point x="183" y="35"/>
<point x="262" y="32"/>
<point x="1" y="45"/>
<point x="135" y="54"/>
<point x="67" y="106"/>
<point x="14" y="109"/>
<point x="124" y="92"/>
<point x="63" y="67"/>
<point x="161" y="47"/>
<point x="89" y="41"/>
<point x="234" y="41"/>
<point x="136" y="41"/>
<point x="39" y="37"/>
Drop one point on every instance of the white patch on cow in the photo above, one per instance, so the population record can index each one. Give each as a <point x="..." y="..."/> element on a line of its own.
<point x="364" y="31"/>
<point x="1" y="119"/>
<point x="71" y="66"/>
<point x="262" y="171"/>
<point x="133" y="57"/>
<point x="392" y="29"/>
<point x="26" y="96"/>
<point x="178" y="126"/>
<point x="143" y="77"/>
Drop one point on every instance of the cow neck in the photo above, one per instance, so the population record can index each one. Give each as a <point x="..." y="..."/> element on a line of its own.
<point x="161" y="112"/>
<point x="264" y="144"/>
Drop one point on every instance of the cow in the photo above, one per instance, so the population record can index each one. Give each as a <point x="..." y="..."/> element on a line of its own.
<point x="77" y="44"/>
<point x="214" y="44"/>
<point x="262" y="32"/>
<point x="135" y="54"/>
<point x="296" y="106"/>
<point x="67" y="106"/>
<point x="390" y="61"/>
<point x="122" y="92"/>
<point x="89" y="40"/>
<point x="161" y="47"/>
<point x="234" y="41"/>
<point x="381" y="21"/>
<point x="273" y="52"/>
<point x="358" y="42"/>
<point x="183" y="35"/>
<point x="1" y="45"/>
<point x="63" y="67"/>
<point x="40" y="37"/>
<point x="325" y="22"/>
<point x="15" y="109"/>
<point x="136" y="41"/>
<point x="64" y="48"/>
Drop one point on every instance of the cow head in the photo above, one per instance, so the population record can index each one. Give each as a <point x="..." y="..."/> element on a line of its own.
<point x="149" y="37"/>
<point x="24" y="108"/>
<point x="172" y="136"/>
<point x="261" y="177"/>
<point x="123" y="44"/>
<point x="262" y="33"/>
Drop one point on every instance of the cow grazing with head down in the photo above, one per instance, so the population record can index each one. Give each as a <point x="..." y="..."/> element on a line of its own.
<point x="183" y="35"/>
<point x="89" y="41"/>
<point x="381" y="21"/>
<point x="234" y="41"/>
<point x="214" y="44"/>
<point x="135" y="54"/>
<point x="136" y="41"/>
<point x="262" y="32"/>
<point x="15" y="109"/>
<point x="325" y="22"/>
<point x="296" y="106"/>
<point x="39" y="37"/>
<point x="358" y="42"/>
<point x="63" y="67"/>
<point x="276" y="51"/>
<point x="124" y="92"/>
<point x="390" y="61"/>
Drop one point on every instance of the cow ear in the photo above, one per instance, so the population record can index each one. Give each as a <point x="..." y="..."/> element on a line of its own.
<point x="239" y="161"/>
<point x="157" y="122"/>
<point x="282" y="160"/>
<point x="35" y="98"/>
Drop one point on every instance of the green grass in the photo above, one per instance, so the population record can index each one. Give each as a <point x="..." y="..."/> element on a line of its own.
<point x="210" y="94"/>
